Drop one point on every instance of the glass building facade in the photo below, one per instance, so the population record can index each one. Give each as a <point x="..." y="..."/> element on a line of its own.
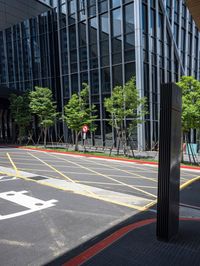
<point x="103" y="43"/>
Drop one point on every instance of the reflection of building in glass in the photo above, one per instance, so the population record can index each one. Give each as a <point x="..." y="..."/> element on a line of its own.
<point x="103" y="43"/>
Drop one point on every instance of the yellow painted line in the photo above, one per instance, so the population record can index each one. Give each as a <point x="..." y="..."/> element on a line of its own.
<point x="135" y="165"/>
<point x="57" y="171"/>
<point x="112" y="184"/>
<point x="146" y="207"/>
<point x="37" y="173"/>
<point x="53" y="168"/>
<point x="189" y="182"/>
<point x="106" y="176"/>
<point x="5" y="173"/>
<point x="131" y="177"/>
<point x="81" y="193"/>
<point x="125" y="171"/>
<point x="11" y="161"/>
<point x="98" y="198"/>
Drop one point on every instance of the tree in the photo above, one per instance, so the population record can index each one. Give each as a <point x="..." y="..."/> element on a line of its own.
<point x="42" y="104"/>
<point x="190" y="104"/>
<point x="78" y="112"/>
<point x="125" y="103"/>
<point x="21" y="113"/>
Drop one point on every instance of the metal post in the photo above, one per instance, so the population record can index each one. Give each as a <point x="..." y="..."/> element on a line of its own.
<point x="169" y="162"/>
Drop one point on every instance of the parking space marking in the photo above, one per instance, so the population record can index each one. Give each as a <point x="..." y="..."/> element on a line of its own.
<point x="57" y="171"/>
<point x="26" y="163"/>
<point x="106" y="176"/>
<point x="14" y="166"/>
<point x="53" y="168"/>
<point x="101" y="183"/>
<point x="125" y="171"/>
<point x="129" y="176"/>
<point x="189" y="182"/>
<point x="113" y="184"/>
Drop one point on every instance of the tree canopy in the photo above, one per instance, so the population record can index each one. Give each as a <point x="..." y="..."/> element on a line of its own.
<point x="78" y="112"/>
<point x="42" y="104"/>
<point x="20" y="112"/>
<point x="125" y="103"/>
<point x="190" y="103"/>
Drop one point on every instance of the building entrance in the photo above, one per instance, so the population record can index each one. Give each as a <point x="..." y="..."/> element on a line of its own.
<point x="5" y="121"/>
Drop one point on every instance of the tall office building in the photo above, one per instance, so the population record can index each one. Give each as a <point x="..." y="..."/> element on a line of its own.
<point x="103" y="43"/>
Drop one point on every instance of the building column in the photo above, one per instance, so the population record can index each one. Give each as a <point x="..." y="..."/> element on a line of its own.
<point x="139" y="67"/>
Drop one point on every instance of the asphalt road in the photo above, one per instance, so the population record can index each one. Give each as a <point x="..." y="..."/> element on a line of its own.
<point x="50" y="203"/>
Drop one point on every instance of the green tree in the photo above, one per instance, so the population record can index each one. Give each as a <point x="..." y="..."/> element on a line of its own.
<point x="21" y="113"/>
<point x="78" y="112"/>
<point x="42" y="104"/>
<point x="190" y="105"/>
<point x="125" y="103"/>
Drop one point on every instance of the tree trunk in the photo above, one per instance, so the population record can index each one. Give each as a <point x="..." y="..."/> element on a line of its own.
<point x="45" y="137"/>
<point x="76" y="140"/>
<point x="20" y="135"/>
<point x="182" y="147"/>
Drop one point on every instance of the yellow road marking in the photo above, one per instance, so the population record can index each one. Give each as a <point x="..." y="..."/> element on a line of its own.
<point x="79" y="193"/>
<point x="14" y="166"/>
<point x="189" y="182"/>
<point x="137" y="167"/>
<point x="149" y="205"/>
<point x="53" y="168"/>
<point x="57" y="171"/>
<point x="131" y="177"/>
<point x="125" y="171"/>
<point x="106" y="176"/>
<point x="105" y="183"/>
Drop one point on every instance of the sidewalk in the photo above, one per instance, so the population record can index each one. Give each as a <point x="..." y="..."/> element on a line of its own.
<point x="135" y="243"/>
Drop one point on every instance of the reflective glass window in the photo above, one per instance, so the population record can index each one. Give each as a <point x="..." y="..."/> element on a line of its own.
<point x="129" y="18"/>
<point x="116" y="22"/>
<point x="104" y="26"/>
<point x="115" y="3"/>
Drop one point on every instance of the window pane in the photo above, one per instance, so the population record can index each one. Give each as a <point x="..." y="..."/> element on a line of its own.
<point x="116" y="22"/>
<point x="129" y="18"/>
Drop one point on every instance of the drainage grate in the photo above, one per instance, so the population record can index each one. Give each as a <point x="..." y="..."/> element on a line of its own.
<point x="37" y="178"/>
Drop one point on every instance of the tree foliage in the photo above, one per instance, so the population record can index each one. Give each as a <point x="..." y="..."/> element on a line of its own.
<point x="190" y="103"/>
<point x="42" y="104"/>
<point x="20" y="112"/>
<point x="78" y="112"/>
<point x="125" y="103"/>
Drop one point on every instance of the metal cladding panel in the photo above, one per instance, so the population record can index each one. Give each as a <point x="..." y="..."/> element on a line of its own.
<point x="169" y="161"/>
<point x="13" y="12"/>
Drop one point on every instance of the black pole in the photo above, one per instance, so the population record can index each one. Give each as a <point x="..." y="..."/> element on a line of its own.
<point x="169" y="162"/>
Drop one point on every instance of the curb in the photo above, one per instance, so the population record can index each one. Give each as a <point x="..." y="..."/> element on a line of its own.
<point x="105" y="157"/>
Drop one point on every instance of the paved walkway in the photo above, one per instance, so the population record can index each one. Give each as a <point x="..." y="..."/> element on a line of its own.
<point x="135" y="242"/>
